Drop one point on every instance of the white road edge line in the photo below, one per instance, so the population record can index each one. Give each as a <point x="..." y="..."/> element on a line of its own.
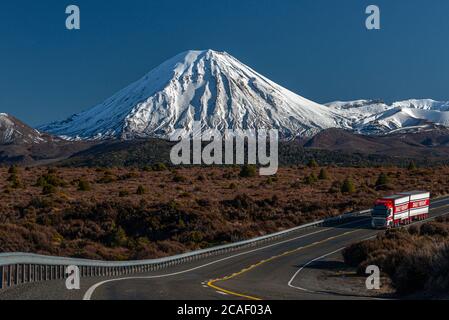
<point x="91" y="290"/>
<point x="290" y="283"/>
<point x="333" y="252"/>
<point x="305" y="266"/>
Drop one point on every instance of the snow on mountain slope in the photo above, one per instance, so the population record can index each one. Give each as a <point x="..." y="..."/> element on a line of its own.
<point x="15" y="131"/>
<point x="207" y="86"/>
<point x="424" y="104"/>
<point x="376" y="117"/>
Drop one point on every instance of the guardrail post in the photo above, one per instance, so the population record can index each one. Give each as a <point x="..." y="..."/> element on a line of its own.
<point x="2" y="277"/>
<point x="16" y="274"/>
<point x="32" y="273"/>
<point x="8" y="276"/>
<point x="28" y="272"/>
<point x="22" y="273"/>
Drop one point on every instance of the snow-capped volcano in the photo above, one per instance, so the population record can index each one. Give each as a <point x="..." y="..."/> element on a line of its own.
<point x="207" y="86"/>
<point x="223" y="93"/>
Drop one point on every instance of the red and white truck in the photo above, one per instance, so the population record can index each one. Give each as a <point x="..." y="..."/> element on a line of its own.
<point x="400" y="209"/>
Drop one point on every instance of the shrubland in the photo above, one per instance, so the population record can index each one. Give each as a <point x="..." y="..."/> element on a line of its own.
<point x="119" y="213"/>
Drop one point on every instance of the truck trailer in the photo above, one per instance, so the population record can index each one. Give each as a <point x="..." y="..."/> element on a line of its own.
<point x="400" y="209"/>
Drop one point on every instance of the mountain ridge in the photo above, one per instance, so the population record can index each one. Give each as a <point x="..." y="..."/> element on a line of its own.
<point x="207" y="86"/>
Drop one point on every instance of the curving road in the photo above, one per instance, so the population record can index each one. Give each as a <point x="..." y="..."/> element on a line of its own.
<point x="269" y="272"/>
<point x="273" y="271"/>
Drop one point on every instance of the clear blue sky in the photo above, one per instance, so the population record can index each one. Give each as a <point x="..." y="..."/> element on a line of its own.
<point x="317" y="48"/>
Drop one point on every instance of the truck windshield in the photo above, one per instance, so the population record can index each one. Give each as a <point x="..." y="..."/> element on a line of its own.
<point x="380" y="211"/>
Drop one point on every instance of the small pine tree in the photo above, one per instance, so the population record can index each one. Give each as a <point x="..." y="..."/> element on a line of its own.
<point x="382" y="180"/>
<point x="13" y="170"/>
<point x="348" y="186"/>
<point x="232" y="186"/>
<point x="15" y="182"/>
<point x="411" y="166"/>
<point x="48" y="189"/>
<point x="310" y="179"/>
<point x="323" y="175"/>
<point x="123" y="193"/>
<point x="159" y="167"/>
<point x="84" y="185"/>
<point x="335" y="187"/>
<point x="141" y="190"/>
<point x="248" y="171"/>
<point x="119" y="237"/>
<point x="312" y="164"/>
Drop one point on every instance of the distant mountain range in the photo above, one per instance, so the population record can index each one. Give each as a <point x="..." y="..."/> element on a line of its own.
<point x="223" y="93"/>
<point x="373" y="117"/>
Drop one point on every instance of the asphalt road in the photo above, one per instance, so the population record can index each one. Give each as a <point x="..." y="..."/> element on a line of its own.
<point x="272" y="271"/>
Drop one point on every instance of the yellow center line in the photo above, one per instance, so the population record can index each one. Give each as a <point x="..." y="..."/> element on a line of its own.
<point x="212" y="283"/>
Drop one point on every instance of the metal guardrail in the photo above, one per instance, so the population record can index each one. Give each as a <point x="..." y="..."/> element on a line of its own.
<point x="20" y="268"/>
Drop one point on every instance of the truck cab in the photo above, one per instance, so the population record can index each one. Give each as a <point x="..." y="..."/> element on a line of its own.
<point x="382" y="214"/>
